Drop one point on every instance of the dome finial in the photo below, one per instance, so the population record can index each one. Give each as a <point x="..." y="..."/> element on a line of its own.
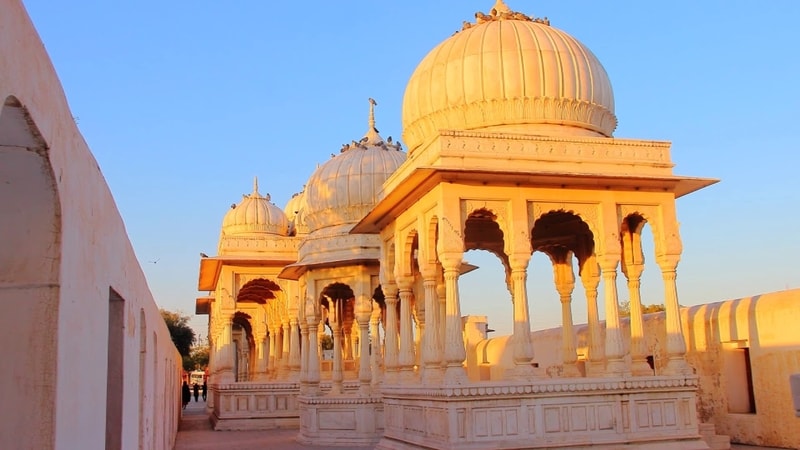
<point x="372" y="137"/>
<point x="500" y="6"/>
<point x="255" y="185"/>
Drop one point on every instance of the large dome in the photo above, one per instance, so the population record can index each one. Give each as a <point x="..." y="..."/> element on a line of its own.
<point x="255" y="215"/>
<point x="344" y="189"/>
<point x="508" y="72"/>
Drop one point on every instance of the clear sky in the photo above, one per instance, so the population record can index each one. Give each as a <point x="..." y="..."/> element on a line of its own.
<point x="183" y="102"/>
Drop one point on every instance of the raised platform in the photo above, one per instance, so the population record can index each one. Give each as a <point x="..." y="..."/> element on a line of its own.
<point x="640" y="412"/>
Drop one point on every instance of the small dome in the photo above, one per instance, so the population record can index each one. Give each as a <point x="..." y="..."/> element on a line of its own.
<point x="508" y="72"/>
<point x="294" y="212"/>
<point x="255" y="215"/>
<point x="346" y="188"/>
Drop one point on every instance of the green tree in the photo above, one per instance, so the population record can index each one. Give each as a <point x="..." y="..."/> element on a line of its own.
<point x="182" y="334"/>
<point x="327" y="342"/>
<point x="625" y="309"/>
<point x="199" y="356"/>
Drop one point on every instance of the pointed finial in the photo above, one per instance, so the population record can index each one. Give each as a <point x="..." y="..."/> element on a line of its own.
<point x="500" y="6"/>
<point x="255" y="185"/>
<point x="372" y="137"/>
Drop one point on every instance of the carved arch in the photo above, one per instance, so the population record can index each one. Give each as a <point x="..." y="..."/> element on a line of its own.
<point x="651" y="215"/>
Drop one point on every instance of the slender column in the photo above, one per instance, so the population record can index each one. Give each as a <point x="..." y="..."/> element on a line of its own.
<point x="615" y="351"/>
<point x="391" y="345"/>
<point x="285" y="338"/>
<point x="590" y="277"/>
<point x="521" y="339"/>
<point x="363" y="310"/>
<point x="565" y="284"/>
<point x="431" y="339"/>
<point x="406" y="359"/>
<point x="454" y="351"/>
<point x="312" y="384"/>
<point x="376" y="349"/>
<point x="639" y="366"/>
<point x="294" y="349"/>
<point x="441" y="294"/>
<point x="273" y="337"/>
<point x="304" y="352"/>
<point x="261" y="357"/>
<point x="335" y="321"/>
<point x="676" y="344"/>
<point x="347" y="343"/>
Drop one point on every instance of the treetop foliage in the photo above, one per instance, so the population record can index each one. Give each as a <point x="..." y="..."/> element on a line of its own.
<point x="182" y="334"/>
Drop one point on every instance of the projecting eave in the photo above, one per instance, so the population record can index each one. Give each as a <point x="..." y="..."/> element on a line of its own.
<point x="295" y="271"/>
<point x="211" y="266"/>
<point x="424" y="179"/>
<point x="202" y="305"/>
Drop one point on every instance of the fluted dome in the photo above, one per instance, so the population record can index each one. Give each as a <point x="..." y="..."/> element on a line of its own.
<point x="255" y="215"/>
<point x="508" y="72"/>
<point x="294" y="212"/>
<point x="345" y="189"/>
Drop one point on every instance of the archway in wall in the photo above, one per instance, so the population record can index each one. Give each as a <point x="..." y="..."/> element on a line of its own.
<point x="244" y="346"/>
<point x="338" y="301"/>
<point x="30" y="225"/>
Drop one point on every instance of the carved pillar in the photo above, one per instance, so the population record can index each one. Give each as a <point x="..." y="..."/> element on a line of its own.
<point x="335" y="322"/>
<point x="676" y="344"/>
<point x="363" y="312"/>
<point x="565" y="283"/>
<point x="261" y="355"/>
<point x="441" y="295"/>
<point x="376" y="349"/>
<point x="305" y="351"/>
<point x="521" y="339"/>
<point x="313" y="376"/>
<point x="615" y="350"/>
<point x="285" y="342"/>
<point x="431" y="339"/>
<point x="633" y="273"/>
<point x="294" y="349"/>
<point x="590" y="278"/>
<point x="391" y="341"/>
<point x="273" y="340"/>
<point x="454" y="351"/>
<point x="406" y="357"/>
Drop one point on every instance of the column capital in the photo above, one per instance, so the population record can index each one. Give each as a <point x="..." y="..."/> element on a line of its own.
<point x="668" y="263"/>
<point x="608" y="262"/>
<point x="405" y="283"/>
<point x="519" y="261"/>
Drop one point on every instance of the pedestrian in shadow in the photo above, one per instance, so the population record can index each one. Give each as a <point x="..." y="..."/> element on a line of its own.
<point x="205" y="390"/>
<point x="186" y="394"/>
<point x="196" y="390"/>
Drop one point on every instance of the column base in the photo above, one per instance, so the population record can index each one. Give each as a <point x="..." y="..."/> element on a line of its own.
<point x="616" y="368"/>
<point x="570" y="370"/>
<point x="640" y="368"/>
<point x="455" y="375"/>
<point x="523" y="372"/>
<point x="677" y="365"/>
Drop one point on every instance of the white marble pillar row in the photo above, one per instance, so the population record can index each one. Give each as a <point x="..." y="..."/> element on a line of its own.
<point x="614" y="346"/>
<point x="406" y="357"/>
<point x="431" y="339"/>
<point x="676" y="343"/>
<point x="391" y="344"/>
<point x="522" y="352"/>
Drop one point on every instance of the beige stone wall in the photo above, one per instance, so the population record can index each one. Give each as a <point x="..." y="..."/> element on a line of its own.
<point x="717" y="335"/>
<point x="85" y="347"/>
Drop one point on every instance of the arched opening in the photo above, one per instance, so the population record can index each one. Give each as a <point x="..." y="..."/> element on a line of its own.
<point x="29" y="278"/>
<point x="338" y="305"/>
<point x="244" y="346"/>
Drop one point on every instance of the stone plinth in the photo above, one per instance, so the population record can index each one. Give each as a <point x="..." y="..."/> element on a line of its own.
<point x="255" y="406"/>
<point x="343" y="420"/>
<point x="642" y="412"/>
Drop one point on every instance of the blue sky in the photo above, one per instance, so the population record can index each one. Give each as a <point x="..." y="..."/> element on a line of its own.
<point x="184" y="102"/>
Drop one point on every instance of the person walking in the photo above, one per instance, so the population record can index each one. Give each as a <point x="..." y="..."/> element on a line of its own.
<point x="205" y="390"/>
<point x="196" y="390"/>
<point x="186" y="394"/>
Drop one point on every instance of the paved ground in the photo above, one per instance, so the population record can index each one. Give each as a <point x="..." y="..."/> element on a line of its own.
<point x="196" y="434"/>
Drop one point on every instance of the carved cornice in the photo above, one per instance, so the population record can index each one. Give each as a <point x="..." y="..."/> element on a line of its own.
<point x="502" y="12"/>
<point x="558" y="148"/>
<point x="546" y="388"/>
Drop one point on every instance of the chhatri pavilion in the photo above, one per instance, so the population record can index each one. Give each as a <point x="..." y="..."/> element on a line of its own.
<point x="509" y="148"/>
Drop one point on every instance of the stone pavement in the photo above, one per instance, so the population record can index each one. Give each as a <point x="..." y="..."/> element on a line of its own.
<point x="195" y="433"/>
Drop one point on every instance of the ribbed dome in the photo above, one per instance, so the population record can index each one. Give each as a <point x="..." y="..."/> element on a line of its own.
<point x="255" y="215"/>
<point x="293" y="211"/>
<point x="345" y="189"/>
<point x="508" y="72"/>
